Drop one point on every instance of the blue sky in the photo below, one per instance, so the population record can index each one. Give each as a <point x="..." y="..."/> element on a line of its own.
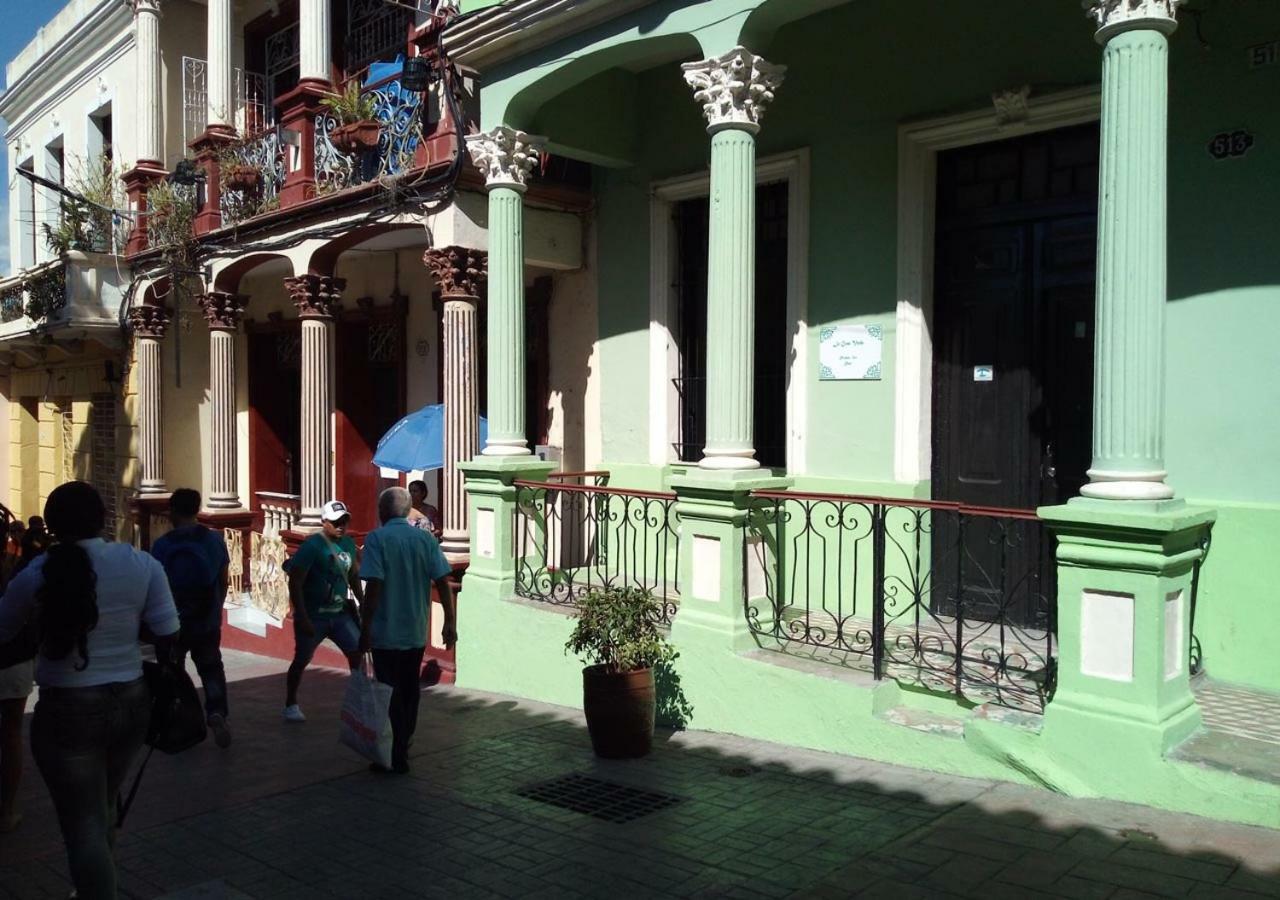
<point x="21" y="22"/>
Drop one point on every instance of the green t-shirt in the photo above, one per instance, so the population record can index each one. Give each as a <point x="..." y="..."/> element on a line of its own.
<point x="326" y="564"/>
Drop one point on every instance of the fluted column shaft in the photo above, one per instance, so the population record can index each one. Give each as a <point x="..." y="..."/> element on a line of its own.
<point x="220" y="91"/>
<point x="1128" y="414"/>
<point x="506" y="359"/>
<point x="461" y="423"/>
<point x="317" y="415"/>
<point x="150" y="412"/>
<point x="223" y="493"/>
<point x="150" y="105"/>
<point x="313" y="35"/>
<point x="731" y="302"/>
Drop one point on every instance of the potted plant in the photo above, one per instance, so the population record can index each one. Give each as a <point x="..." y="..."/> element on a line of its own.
<point x="241" y="176"/>
<point x="617" y="633"/>
<point x="358" y="127"/>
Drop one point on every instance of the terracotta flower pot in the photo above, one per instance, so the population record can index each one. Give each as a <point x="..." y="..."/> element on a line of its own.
<point x="243" y="178"/>
<point x="357" y="137"/>
<point x="620" y="709"/>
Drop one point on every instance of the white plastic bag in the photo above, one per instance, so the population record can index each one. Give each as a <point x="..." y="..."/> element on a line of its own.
<point x="366" y="724"/>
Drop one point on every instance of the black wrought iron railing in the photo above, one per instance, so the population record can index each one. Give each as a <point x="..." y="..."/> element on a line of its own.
<point x="1195" y="650"/>
<point x="939" y="595"/>
<point x="571" y="539"/>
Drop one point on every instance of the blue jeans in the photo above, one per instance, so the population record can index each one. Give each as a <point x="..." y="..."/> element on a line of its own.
<point x="205" y="648"/>
<point x="341" y="629"/>
<point x="84" y="741"/>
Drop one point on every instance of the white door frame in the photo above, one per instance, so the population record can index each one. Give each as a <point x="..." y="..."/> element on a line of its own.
<point x="918" y="146"/>
<point x="664" y="352"/>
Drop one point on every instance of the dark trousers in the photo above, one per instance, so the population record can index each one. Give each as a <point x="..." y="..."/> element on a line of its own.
<point x="205" y="647"/>
<point x="400" y="669"/>
<point x="84" y="741"/>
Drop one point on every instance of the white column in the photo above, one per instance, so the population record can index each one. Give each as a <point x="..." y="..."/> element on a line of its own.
<point x="506" y="157"/>
<point x="149" y="325"/>
<point x="315" y="297"/>
<point x="150" y="101"/>
<point x="459" y="272"/>
<point x="313" y="34"/>
<point x="223" y="312"/>
<point x="734" y="90"/>
<point x="220" y="90"/>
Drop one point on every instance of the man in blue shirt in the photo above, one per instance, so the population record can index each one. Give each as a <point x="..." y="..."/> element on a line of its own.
<point x="195" y="560"/>
<point x="400" y="565"/>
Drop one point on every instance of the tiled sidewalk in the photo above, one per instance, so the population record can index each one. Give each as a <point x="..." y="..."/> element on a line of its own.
<point x="286" y="813"/>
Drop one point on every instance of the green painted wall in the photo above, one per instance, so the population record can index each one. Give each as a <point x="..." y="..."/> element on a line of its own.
<point x="856" y="72"/>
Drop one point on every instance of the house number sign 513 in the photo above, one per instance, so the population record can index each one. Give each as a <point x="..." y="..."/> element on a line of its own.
<point x="1230" y="144"/>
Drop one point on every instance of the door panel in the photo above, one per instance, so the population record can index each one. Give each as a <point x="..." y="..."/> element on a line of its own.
<point x="1013" y="364"/>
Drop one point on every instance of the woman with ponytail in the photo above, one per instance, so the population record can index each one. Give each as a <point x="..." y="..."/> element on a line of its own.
<point x="91" y="599"/>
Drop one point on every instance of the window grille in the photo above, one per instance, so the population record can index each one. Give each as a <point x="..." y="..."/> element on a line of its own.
<point x="66" y="441"/>
<point x="252" y="111"/>
<point x="384" y="342"/>
<point x="377" y="31"/>
<point x="103" y="472"/>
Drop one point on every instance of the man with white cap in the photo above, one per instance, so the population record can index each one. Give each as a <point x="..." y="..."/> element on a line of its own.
<point x="320" y="574"/>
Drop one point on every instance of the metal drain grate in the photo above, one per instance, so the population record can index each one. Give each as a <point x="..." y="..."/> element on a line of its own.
<point x="616" y="803"/>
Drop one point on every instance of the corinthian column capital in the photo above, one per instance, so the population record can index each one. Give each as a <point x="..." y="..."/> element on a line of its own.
<point x="734" y="89"/>
<point x="1115" y="16"/>
<point x="460" y="271"/>
<point x="505" y="156"/>
<point x="315" y="295"/>
<point x="150" y="321"/>
<point x="140" y="6"/>
<point x="223" y="311"/>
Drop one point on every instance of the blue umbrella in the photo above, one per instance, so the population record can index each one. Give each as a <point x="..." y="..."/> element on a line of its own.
<point x="416" y="442"/>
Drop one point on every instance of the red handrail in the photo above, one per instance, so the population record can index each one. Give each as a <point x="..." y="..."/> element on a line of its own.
<point x="909" y="502"/>
<point x="592" y="489"/>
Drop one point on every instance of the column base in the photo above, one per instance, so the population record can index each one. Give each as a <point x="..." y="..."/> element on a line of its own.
<point x="729" y="459"/>
<point x="507" y="449"/>
<point x="1124" y="619"/>
<point x="225" y="501"/>
<point x="722" y="566"/>
<point x="1106" y="484"/>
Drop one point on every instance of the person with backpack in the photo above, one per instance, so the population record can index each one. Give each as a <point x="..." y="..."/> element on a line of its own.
<point x="90" y="599"/>
<point x="321" y="572"/>
<point x="195" y="560"/>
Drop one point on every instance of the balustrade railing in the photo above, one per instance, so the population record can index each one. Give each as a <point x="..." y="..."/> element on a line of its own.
<point x="280" y="512"/>
<point x="938" y="595"/>
<point x="571" y="539"/>
<point x="397" y="113"/>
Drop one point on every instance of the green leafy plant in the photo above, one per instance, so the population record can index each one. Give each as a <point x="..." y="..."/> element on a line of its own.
<point x="617" y="628"/>
<point x="46" y="293"/>
<point x="351" y="105"/>
<point x="171" y="215"/>
<point x="87" y="222"/>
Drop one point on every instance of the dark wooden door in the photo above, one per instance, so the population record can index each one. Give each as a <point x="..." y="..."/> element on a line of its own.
<point x="772" y="332"/>
<point x="1013" y="357"/>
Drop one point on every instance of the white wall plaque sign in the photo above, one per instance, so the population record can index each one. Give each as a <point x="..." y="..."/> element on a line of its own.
<point x="984" y="373"/>
<point x="850" y="352"/>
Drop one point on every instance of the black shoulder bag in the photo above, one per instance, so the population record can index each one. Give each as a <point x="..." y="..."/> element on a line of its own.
<point x="177" y="720"/>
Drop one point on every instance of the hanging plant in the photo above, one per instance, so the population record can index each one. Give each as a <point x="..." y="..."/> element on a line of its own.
<point x="358" y="128"/>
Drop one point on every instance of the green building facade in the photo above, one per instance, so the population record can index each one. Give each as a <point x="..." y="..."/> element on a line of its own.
<point x="992" y="257"/>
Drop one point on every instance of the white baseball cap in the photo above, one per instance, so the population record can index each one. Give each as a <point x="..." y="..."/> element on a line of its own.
<point x="334" y="510"/>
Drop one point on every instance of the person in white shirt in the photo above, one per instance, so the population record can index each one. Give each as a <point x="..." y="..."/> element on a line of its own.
<point x="92" y="599"/>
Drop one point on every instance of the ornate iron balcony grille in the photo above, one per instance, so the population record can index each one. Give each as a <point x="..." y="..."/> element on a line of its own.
<point x="574" y="538"/>
<point x="396" y="110"/>
<point x="955" y="599"/>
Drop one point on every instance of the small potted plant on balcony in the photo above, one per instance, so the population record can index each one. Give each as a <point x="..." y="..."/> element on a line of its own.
<point x="617" y="633"/>
<point x="358" y="127"/>
<point x="240" y="176"/>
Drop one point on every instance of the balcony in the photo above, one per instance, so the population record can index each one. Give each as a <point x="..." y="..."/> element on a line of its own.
<point x="78" y="294"/>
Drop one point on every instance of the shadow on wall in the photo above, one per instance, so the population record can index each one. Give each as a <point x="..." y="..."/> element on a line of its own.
<point x="781" y="821"/>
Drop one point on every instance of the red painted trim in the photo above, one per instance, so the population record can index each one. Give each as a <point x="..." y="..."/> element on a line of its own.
<point x="589" y="489"/>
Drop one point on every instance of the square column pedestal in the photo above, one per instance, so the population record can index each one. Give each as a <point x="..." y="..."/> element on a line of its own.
<point x="1123" y="696"/>
<point x="491" y="503"/>
<point x="722" y="563"/>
